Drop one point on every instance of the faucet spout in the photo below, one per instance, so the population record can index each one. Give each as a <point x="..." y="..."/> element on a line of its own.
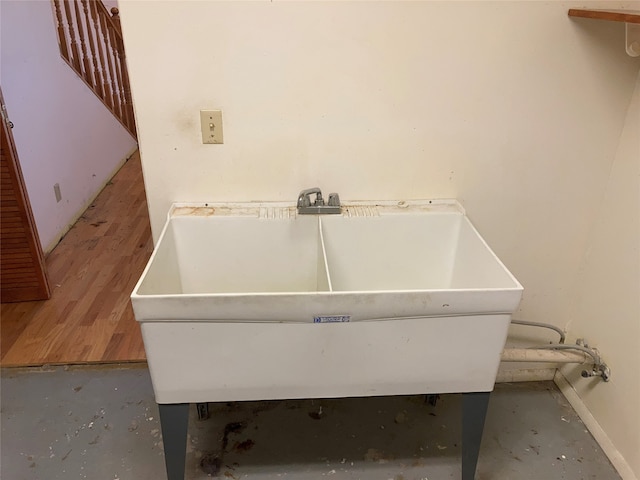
<point x="304" y="199"/>
<point x="318" y="206"/>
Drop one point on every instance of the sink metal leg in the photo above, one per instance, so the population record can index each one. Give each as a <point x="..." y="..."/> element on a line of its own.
<point x="474" y="412"/>
<point x="174" y="421"/>
<point x="203" y="411"/>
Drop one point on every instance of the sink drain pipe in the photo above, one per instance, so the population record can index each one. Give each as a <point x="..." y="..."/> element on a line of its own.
<point x="561" y="354"/>
<point x="579" y="353"/>
<point x="544" y="355"/>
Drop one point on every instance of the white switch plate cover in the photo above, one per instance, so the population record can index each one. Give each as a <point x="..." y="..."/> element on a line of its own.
<point x="211" y="126"/>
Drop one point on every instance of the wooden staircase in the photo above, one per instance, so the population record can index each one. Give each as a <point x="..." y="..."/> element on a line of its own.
<point x="91" y="43"/>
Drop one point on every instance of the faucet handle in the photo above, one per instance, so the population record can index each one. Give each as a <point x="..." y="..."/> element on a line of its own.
<point x="334" y="200"/>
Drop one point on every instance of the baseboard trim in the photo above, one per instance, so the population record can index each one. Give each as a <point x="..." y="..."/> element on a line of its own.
<point x="56" y="240"/>
<point x="609" y="449"/>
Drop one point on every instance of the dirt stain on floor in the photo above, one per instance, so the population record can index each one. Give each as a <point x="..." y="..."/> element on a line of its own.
<point x="233" y="427"/>
<point x="211" y="462"/>
<point x="244" y="446"/>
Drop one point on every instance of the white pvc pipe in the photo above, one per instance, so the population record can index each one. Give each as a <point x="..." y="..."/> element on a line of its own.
<point x="546" y="356"/>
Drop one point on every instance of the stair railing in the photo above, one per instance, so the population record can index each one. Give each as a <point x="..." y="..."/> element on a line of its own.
<point x="91" y="43"/>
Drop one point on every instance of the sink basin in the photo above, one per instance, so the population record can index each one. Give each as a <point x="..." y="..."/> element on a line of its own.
<point x="252" y="301"/>
<point x="226" y="254"/>
<point x="413" y="251"/>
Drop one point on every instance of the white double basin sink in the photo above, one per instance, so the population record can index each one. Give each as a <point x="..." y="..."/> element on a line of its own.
<point x="253" y="301"/>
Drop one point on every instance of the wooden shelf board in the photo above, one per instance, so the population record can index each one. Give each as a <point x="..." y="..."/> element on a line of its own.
<point x="627" y="16"/>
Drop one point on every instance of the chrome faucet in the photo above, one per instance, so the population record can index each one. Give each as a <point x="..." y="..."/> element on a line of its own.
<point x="318" y="206"/>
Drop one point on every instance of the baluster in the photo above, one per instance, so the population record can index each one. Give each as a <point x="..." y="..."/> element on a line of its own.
<point x="127" y="97"/>
<point x="115" y="17"/>
<point x="116" y="60"/>
<point x="105" y="81"/>
<point x="62" y="36"/>
<point x="75" y="60"/>
<point x="127" y="103"/>
<point x="97" y="84"/>
<point x="85" y="58"/>
<point x="113" y="81"/>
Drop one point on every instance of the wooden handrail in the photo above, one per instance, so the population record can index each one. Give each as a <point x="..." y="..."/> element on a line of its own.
<point x="109" y="16"/>
<point x="90" y="40"/>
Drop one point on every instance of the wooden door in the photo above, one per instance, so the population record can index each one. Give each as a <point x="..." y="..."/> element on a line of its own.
<point x="22" y="270"/>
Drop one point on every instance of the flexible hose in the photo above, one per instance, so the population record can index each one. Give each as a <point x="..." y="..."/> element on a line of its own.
<point x="541" y="325"/>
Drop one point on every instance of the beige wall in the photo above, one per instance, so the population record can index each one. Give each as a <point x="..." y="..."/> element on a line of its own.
<point x="607" y="308"/>
<point x="511" y="107"/>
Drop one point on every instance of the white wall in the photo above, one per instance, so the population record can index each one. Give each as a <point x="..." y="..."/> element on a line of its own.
<point x="511" y="107"/>
<point x="607" y="308"/>
<point x="63" y="132"/>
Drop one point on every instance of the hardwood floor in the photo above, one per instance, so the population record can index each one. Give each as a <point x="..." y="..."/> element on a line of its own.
<point x="92" y="273"/>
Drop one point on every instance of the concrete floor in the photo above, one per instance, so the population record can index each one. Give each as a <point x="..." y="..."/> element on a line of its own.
<point x="102" y="423"/>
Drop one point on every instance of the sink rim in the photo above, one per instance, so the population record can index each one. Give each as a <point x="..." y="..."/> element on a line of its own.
<point x="141" y="301"/>
<point x="328" y="293"/>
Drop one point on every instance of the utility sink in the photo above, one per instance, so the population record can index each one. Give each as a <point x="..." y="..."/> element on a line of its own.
<point x="253" y="301"/>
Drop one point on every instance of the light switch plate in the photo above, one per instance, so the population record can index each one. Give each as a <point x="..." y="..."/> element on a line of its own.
<point x="211" y="126"/>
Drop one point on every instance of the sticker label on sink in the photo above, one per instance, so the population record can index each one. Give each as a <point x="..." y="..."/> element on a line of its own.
<point x="332" y="318"/>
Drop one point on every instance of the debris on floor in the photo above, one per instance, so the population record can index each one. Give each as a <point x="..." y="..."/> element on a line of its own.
<point x="88" y="423"/>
